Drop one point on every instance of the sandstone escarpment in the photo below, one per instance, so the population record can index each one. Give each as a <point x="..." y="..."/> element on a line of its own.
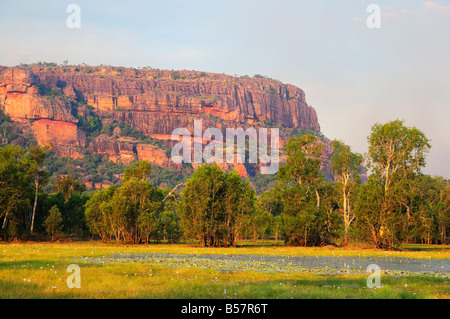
<point x="52" y="101"/>
<point x="126" y="150"/>
<point x="50" y="120"/>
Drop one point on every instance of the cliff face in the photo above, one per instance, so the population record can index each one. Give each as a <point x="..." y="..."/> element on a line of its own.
<point x="52" y="100"/>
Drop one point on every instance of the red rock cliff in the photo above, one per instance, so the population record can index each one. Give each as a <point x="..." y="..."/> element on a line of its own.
<point x="153" y="101"/>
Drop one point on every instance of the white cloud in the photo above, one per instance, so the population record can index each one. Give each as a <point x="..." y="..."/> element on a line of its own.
<point x="359" y="20"/>
<point x="427" y="8"/>
<point x="437" y="7"/>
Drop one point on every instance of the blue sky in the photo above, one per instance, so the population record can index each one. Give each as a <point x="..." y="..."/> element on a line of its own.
<point x="352" y="75"/>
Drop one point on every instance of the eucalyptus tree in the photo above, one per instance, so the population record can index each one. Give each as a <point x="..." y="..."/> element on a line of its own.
<point x="16" y="189"/>
<point x="214" y="206"/>
<point x="200" y="209"/>
<point x="396" y="154"/>
<point x="98" y="212"/>
<point x="301" y="197"/>
<point x="68" y="185"/>
<point x="36" y="157"/>
<point x="53" y="223"/>
<point x="346" y="167"/>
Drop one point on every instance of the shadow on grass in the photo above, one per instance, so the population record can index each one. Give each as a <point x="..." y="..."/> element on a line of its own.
<point x="26" y="264"/>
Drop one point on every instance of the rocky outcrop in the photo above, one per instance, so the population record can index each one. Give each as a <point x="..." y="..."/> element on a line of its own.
<point x="49" y="119"/>
<point x="51" y="100"/>
<point x="112" y="89"/>
<point x="126" y="150"/>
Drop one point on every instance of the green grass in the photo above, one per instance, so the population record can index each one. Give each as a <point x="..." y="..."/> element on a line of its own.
<point x="32" y="270"/>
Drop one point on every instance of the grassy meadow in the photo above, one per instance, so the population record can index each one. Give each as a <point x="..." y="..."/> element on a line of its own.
<point x="38" y="270"/>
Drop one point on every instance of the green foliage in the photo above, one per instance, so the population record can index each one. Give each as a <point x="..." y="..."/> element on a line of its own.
<point x="11" y="134"/>
<point x="36" y="157"/>
<point x="214" y="206"/>
<point x="303" y="162"/>
<point x="91" y="125"/>
<point x="271" y="90"/>
<point x="98" y="212"/>
<point x="135" y="205"/>
<point x="259" y="76"/>
<point x="309" y="216"/>
<point x="396" y="154"/>
<point x="396" y="151"/>
<point x="4" y="118"/>
<point x="72" y="212"/>
<point x="130" y="212"/>
<point x="345" y="164"/>
<point x="268" y="122"/>
<point x="47" y="63"/>
<point x="16" y="189"/>
<point x="426" y="213"/>
<point x="166" y="177"/>
<point x="175" y="75"/>
<point x="53" y="223"/>
<point x="299" y="215"/>
<point x="68" y="186"/>
<point x="262" y="182"/>
<point x="170" y="229"/>
<point x="48" y="92"/>
<point x="269" y="208"/>
<point x="346" y="167"/>
<point x="398" y="203"/>
<point x="300" y="132"/>
<point x="140" y="170"/>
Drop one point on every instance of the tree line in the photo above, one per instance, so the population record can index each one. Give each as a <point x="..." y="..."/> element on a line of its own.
<point x="397" y="203"/>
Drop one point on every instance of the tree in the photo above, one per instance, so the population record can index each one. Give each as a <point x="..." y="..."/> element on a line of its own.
<point x="15" y="188"/>
<point x="53" y="223"/>
<point x="257" y="224"/>
<point x="139" y="170"/>
<point x="36" y="156"/>
<point x="427" y="210"/>
<point x="301" y="197"/>
<point x="299" y="215"/>
<point x="396" y="151"/>
<point x="170" y="226"/>
<point x="303" y="160"/>
<point x="200" y="208"/>
<point x="129" y="212"/>
<point x="98" y="212"/>
<point x="214" y="206"/>
<point x="328" y="222"/>
<point x="271" y="202"/>
<point x="74" y="215"/>
<point x="444" y="214"/>
<point x="139" y="203"/>
<point x="68" y="185"/>
<point x="396" y="154"/>
<point x="368" y="210"/>
<point x="238" y="203"/>
<point x="346" y="167"/>
<point x="277" y="224"/>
